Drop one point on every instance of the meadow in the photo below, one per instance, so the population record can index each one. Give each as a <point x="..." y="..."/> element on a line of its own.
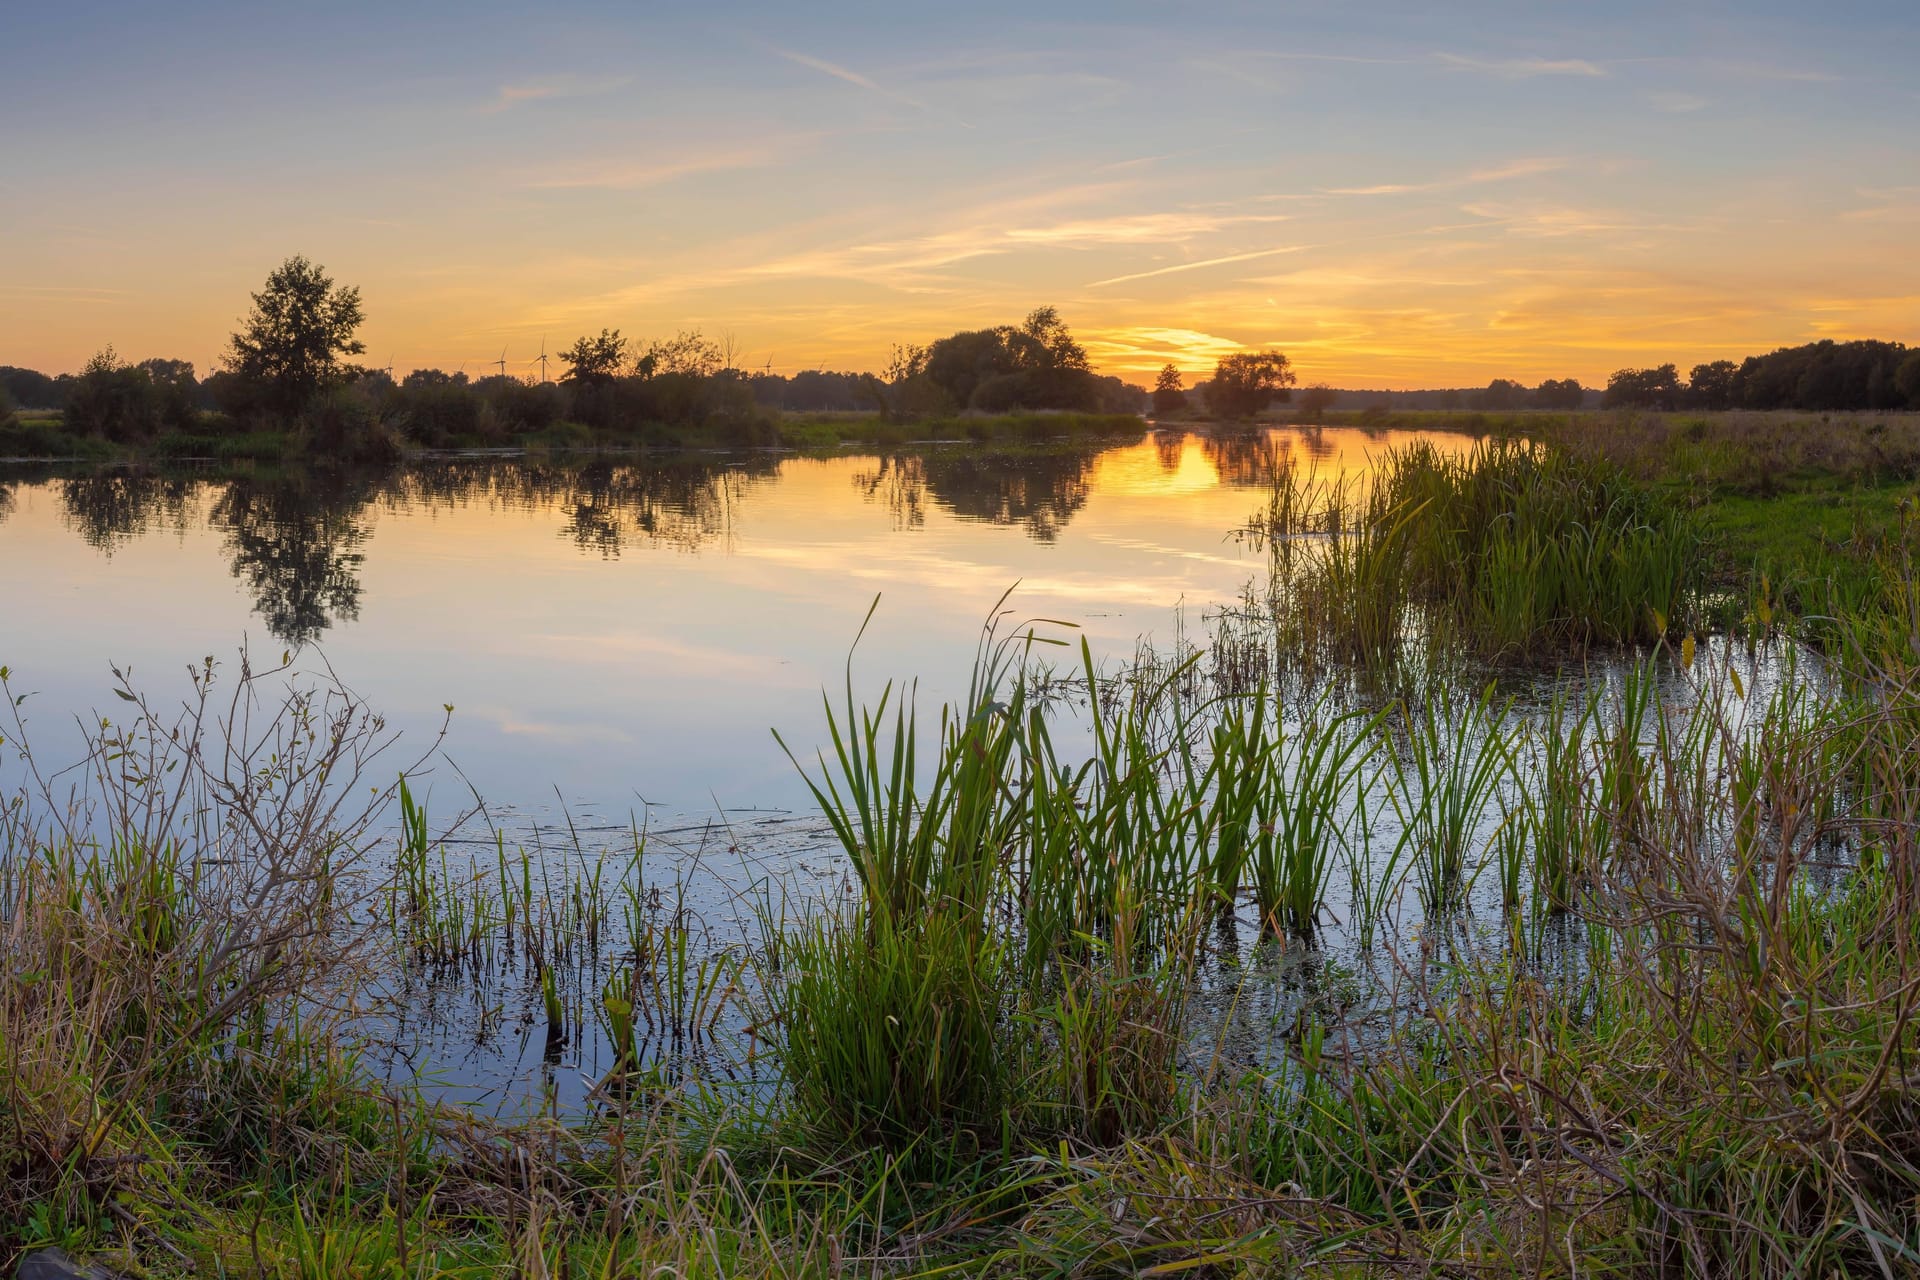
<point x="1520" y="879"/>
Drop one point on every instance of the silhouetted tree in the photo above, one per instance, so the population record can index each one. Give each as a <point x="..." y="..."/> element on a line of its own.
<point x="32" y="389"/>
<point x="433" y="378"/>
<point x="1169" y="392"/>
<point x="1316" y="400"/>
<point x="1562" y="393"/>
<point x="591" y="360"/>
<point x="1501" y="394"/>
<point x="1245" y="383"/>
<point x="292" y="345"/>
<point x="1657" y="388"/>
<point x="686" y="352"/>
<point x="1036" y="365"/>
<point x="1711" y="385"/>
<point x="176" y="391"/>
<point x="1043" y="342"/>
<point x="1906" y="378"/>
<point x="115" y="401"/>
<point x="1823" y="375"/>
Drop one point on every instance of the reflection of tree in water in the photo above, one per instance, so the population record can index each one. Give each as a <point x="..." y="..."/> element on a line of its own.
<point x="1314" y="441"/>
<point x="1040" y="491"/>
<point x="297" y="547"/>
<point x="1169" y="446"/>
<point x="900" y="483"/>
<point x="686" y="503"/>
<point x="111" y="508"/>
<point x="1247" y="459"/>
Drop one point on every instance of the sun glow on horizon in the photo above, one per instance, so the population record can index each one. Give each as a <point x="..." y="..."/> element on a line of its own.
<point x="1408" y="211"/>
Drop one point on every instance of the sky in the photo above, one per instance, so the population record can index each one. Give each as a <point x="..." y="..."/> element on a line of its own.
<point x="1396" y="195"/>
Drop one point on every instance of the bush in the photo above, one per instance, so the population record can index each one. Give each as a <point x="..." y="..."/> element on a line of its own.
<point x="527" y="408"/>
<point x="115" y="401"/>
<point x="435" y="415"/>
<point x="344" y="427"/>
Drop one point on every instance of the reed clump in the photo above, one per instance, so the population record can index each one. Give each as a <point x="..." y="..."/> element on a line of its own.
<point x="1513" y="550"/>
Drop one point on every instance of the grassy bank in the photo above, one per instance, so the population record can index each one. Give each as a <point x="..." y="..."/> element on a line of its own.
<point x="1798" y="513"/>
<point x="214" y="439"/>
<point x="1644" y="955"/>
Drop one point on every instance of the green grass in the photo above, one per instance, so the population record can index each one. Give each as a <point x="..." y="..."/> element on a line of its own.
<point x="45" y="437"/>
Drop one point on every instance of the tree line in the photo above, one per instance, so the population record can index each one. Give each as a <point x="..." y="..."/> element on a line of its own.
<point x="291" y="365"/>
<point x="1818" y="376"/>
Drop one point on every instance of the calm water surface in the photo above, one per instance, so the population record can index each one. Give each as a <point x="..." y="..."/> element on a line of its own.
<point x="621" y="637"/>
<point x="618" y="638"/>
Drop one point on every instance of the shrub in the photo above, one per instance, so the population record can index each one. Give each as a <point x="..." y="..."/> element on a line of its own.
<point x="115" y="401"/>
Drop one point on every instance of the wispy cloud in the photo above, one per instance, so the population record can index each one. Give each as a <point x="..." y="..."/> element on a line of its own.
<point x="631" y="176"/>
<point x="1553" y="221"/>
<point x="1149" y="347"/>
<point x="1145" y="228"/>
<point x="851" y="77"/>
<point x="1196" y="266"/>
<point x="1522" y="68"/>
<point x="1501" y="173"/>
<point x="896" y="262"/>
<point x="1887" y="204"/>
<point x="563" y="86"/>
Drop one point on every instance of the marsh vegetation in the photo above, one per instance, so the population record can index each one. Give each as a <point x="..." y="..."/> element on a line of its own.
<point x="1500" y="884"/>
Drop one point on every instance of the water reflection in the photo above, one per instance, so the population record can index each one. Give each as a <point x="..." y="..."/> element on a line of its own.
<point x="1038" y="492"/>
<point x="297" y="547"/>
<point x="299" y="542"/>
<point x="110" y="508"/>
<point x="607" y="506"/>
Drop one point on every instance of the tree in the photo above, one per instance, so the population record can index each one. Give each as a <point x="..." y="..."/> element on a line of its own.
<point x="685" y="352"/>
<point x="1657" y="388"/>
<point x="31" y="389"/>
<point x="1169" y="392"/>
<point x="300" y="327"/>
<point x="1563" y="393"/>
<point x="1501" y="394"/>
<point x="958" y="363"/>
<point x="176" y="391"/>
<point x="1316" y="400"/>
<point x="1245" y="383"/>
<point x="433" y="378"/>
<point x="113" y="400"/>
<point x="1035" y="365"/>
<point x="1906" y="379"/>
<point x="1043" y="342"/>
<point x="1711" y="385"/>
<point x="595" y="360"/>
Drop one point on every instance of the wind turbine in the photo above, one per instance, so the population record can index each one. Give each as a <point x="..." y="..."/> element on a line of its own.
<point x="502" y="362"/>
<point x="543" y="359"/>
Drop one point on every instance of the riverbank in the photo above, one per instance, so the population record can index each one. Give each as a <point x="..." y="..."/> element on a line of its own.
<point x="45" y="438"/>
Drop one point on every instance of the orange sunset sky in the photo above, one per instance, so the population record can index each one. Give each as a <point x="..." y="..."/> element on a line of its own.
<point x="1394" y="194"/>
